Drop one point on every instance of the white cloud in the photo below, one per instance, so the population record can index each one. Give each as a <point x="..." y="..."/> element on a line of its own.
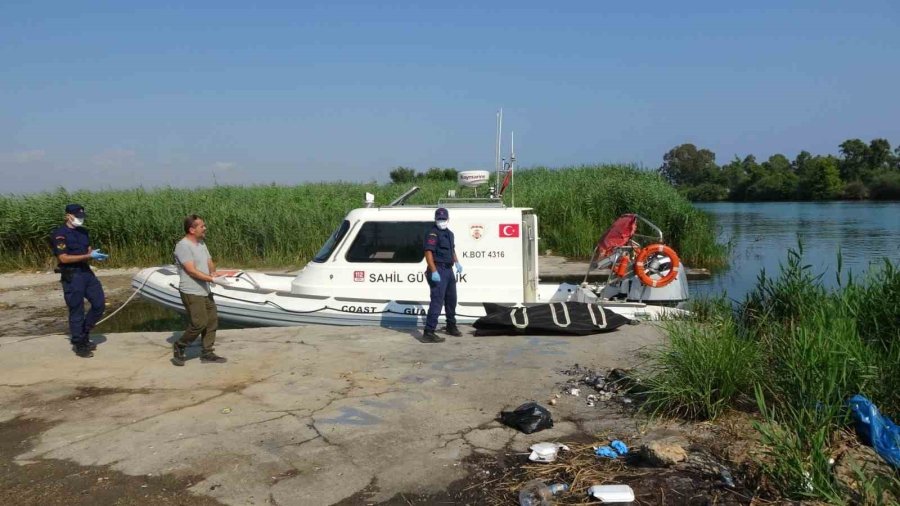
<point x="34" y="155"/>
<point x="114" y="158"/>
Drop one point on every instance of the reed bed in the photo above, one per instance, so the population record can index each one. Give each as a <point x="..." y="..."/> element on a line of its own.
<point x="270" y="225"/>
<point x="793" y="352"/>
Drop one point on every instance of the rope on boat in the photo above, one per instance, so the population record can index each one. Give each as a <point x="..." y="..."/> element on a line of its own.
<point x="136" y="291"/>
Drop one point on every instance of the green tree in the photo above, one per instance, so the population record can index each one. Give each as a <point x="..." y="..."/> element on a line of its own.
<point x="800" y="162"/>
<point x="855" y="161"/>
<point x="685" y="165"/>
<point x="740" y="175"/>
<point x="439" y="174"/>
<point x="778" y="163"/>
<point x="820" y="179"/>
<point x="403" y="175"/>
<point x="879" y="155"/>
<point x="886" y="186"/>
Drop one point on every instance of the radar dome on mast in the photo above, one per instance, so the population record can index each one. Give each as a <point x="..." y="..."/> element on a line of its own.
<point x="473" y="178"/>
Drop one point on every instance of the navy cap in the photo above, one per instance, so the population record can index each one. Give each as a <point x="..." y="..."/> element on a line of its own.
<point x="441" y="214"/>
<point x="75" y="209"/>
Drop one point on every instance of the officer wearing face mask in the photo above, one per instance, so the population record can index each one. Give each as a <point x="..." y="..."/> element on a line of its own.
<point x="440" y="254"/>
<point x="72" y="247"/>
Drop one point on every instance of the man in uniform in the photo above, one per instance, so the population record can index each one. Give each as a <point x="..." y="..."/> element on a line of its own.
<point x="440" y="254"/>
<point x="196" y="271"/>
<point x="72" y="246"/>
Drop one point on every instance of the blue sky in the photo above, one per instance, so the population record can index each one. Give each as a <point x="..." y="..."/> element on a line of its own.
<point x="120" y="94"/>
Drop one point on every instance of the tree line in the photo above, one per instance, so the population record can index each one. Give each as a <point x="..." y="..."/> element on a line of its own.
<point x="409" y="175"/>
<point x="862" y="171"/>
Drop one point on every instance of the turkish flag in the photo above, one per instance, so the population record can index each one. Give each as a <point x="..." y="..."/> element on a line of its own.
<point x="509" y="230"/>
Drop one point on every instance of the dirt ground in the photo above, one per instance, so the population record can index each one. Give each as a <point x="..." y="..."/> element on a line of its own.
<point x="32" y="303"/>
<point x="399" y="381"/>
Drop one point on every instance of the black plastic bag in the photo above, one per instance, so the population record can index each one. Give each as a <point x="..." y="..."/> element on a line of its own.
<point x="529" y="417"/>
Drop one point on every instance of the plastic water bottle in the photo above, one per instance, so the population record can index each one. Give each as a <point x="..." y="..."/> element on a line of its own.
<point x="537" y="493"/>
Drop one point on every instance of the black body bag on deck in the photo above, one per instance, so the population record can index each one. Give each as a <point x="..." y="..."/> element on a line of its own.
<point x="529" y="417"/>
<point x="577" y="318"/>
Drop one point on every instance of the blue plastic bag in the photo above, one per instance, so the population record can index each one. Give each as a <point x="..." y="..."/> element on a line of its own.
<point x="606" y="451"/>
<point x="620" y="447"/>
<point x="615" y="449"/>
<point x="876" y="429"/>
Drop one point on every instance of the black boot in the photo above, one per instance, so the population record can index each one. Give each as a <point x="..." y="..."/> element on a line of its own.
<point x="177" y="355"/>
<point x="430" y="337"/>
<point x="83" y="351"/>
<point x="453" y="331"/>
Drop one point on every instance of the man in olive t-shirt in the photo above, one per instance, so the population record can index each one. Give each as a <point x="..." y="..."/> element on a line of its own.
<point x="195" y="271"/>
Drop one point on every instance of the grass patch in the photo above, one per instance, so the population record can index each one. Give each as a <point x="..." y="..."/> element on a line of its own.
<point x="800" y="351"/>
<point x="285" y="225"/>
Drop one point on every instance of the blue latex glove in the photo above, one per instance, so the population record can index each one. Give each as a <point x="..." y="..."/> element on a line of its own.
<point x="619" y="447"/>
<point x="458" y="268"/>
<point x="605" y="451"/>
<point x="436" y="277"/>
<point x="99" y="255"/>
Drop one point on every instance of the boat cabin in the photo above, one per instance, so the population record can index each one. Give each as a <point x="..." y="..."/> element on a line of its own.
<point x="377" y="253"/>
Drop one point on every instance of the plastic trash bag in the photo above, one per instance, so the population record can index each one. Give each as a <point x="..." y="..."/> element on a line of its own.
<point x="529" y="417"/>
<point x="876" y="429"/>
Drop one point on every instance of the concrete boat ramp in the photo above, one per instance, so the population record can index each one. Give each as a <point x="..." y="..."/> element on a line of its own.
<point x="303" y="415"/>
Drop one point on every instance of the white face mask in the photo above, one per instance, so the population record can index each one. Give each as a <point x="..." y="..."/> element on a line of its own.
<point x="77" y="221"/>
<point x="441" y="224"/>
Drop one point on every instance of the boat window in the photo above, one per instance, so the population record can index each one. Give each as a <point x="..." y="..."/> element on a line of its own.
<point x="390" y="242"/>
<point x="332" y="242"/>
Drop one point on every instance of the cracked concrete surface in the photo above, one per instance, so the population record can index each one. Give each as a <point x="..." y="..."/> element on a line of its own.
<point x="302" y="415"/>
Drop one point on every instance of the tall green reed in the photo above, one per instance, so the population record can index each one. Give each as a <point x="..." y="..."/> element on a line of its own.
<point x="269" y="225"/>
<point x="812" y="348"/>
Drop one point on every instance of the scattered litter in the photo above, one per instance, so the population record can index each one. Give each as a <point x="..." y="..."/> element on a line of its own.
<point x="606" y="451"/>
<point x="620" y="447"/>
<point x="727" y="479"/>
<point x="553" y="402"/>
<point x="876" y="429"/>
<point x="612" y="493"/>
<point x="537" y="493"/>
<point x="545" y="452"/>
<point x="591" y="399"/>
<point x="529" y="417"/>
<point x="605" y="385"/>
<point x="611" y="451"/>
<point x="225" y="411"/>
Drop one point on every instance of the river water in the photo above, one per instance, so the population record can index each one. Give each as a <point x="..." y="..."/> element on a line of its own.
<point x="761" y="234"/>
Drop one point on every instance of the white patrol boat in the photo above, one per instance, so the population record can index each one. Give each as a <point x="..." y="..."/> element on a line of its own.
<point x="371" y="271"/>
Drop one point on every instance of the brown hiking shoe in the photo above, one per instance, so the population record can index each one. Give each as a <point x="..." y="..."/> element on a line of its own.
<point x="177" y="355"/>
<point x="212" y="358"/>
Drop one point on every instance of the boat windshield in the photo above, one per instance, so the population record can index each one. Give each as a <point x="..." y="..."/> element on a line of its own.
<point x="332" y="242"/>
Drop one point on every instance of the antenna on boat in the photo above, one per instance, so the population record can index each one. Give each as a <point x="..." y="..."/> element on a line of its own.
<point x="512" y="166"/>
<point x="498" y="164"/>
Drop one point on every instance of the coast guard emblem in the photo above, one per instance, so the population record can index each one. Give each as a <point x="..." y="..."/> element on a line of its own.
<point x="477" y="231"/>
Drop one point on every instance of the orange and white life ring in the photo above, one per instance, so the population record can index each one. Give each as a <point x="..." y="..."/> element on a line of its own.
<point x="640" y="265"/>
